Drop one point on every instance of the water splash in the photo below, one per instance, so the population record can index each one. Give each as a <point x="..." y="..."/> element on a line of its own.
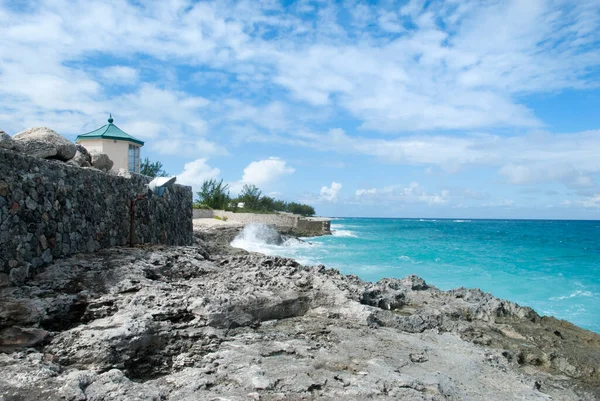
<point x="257" y="233"/>
<point x="343" y="233"/>
<point x="258" y="237"/>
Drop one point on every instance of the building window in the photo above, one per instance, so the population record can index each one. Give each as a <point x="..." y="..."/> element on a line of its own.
<point x="134" y="159"/>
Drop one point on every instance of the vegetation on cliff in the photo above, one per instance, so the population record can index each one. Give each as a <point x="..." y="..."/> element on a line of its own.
<point x="215" y="195"/>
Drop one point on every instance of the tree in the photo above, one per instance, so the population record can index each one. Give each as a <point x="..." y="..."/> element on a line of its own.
<point x="152" y="169"/>
<point x="250" y="195"/>
<point x="280" y="206"/>
<point x="267" y="204"/>
<point x="214" y="194"/>
<point x="298" y="208"/>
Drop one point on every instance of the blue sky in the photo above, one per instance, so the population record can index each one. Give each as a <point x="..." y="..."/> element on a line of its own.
<point x="393" y="108"/>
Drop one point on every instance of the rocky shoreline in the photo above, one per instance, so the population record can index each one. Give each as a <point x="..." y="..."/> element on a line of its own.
<point x="210" y="322"/>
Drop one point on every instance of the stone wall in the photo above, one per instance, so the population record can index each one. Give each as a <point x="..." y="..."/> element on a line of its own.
<point x="50" y="209"/>
<point x="290" y="223"/>
<point x="313" y="227"/>
<point x="203" y="213"/>
<point x="278" y="220"/>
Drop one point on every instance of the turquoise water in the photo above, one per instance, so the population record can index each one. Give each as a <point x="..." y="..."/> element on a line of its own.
<point x="552" y="266"/>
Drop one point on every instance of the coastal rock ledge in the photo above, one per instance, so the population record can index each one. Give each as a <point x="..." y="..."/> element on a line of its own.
<point x="207" y="322"/>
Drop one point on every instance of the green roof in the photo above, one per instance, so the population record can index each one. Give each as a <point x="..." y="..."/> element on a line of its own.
<point x="109" y="131"/>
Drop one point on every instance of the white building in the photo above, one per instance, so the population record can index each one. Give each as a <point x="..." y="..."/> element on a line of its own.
<point x="122" y="148"/>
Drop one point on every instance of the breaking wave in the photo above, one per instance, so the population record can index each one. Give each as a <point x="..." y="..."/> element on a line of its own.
<point x="574" y="294"/>
<point x="343" y="233"/>
<point x="405" y="258"/>
<point x="257" y="237"/>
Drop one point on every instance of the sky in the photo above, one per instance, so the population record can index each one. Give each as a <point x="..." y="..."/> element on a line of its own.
<point x="455" y="108"/>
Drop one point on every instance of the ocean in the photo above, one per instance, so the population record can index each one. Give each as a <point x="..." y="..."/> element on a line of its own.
<point x="550" y="265"/>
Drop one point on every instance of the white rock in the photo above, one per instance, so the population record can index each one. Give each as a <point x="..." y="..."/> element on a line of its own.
<point x="101" y="161"/>
<point x="45" y="143"/>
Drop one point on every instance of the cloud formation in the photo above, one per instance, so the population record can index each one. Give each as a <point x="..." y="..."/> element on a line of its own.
<point x="196" y="172"/>
<point x="425" y="66"/>
<point x="330" y="193"/>
<point x="264" y="171"/>
<point x="413" y="193"/>
<point x="530" y="159"/>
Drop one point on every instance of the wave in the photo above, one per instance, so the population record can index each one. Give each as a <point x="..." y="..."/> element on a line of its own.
<point x="257" y="237"/>
<point x="427" y="220"/>
<point x="405" y="258"/>
<point x="343" y="233"/>
<point x="577" y="293"/>
<point x="461" y="221"/>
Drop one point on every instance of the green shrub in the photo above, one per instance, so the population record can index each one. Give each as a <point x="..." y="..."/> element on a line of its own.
<point x="203" y="206"/>
<point x="214" y="194"/>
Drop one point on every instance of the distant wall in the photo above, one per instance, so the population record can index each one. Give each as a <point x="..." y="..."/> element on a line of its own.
<point x="314" y="227"/>
<point x="203" y="213"/>
<point x="49" y="209"/>
<point x="279" y="220"/>
<point x="307" y="227"/>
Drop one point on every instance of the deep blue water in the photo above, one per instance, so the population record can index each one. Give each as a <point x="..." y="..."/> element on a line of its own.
<point x="552" y="266"/>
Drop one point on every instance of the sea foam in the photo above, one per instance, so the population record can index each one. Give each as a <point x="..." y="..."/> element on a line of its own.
<point x="265" y="239"/>
<point x="343" y="233"/>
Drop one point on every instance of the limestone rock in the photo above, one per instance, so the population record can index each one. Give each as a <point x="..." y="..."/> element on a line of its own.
<point x="45" y="143"/>
<point x="210" y="322"/>
<point x="82" y="157"/>
<point x="6" y="142"/>
<point x="101" y="161"/>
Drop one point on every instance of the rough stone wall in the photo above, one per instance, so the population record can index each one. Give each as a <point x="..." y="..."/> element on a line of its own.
<point x="278" y="220"/>
<point x="311" y="228"/>
<point x="294" y="224"/>
<point x="49" y="209"/>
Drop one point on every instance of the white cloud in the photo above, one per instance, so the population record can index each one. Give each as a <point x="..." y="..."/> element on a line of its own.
<point x="271" y="116"/>
<point x="431" y="78"/>
<point x="590" y="201"/>
<point x="535" y="158"/>
<point x="394" y="194"/>
<point x="265" y="171"/>
<point x="366" y="192"/>
<point x="460" y="73"/>
<point x="539" y="172"/>
<point x="330" y="194"/>
<point x="196" y="172"/>
<point x="120" y="74"/>
<point x="500" y="203"/>
<point x="184" y="147"/>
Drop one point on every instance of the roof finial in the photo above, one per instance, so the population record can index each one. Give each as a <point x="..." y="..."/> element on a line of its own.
<point x="110" y="119"/>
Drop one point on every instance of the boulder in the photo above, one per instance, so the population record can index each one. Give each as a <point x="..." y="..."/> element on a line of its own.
<point x="45" y="143"/>
<point x="101" y="161"/>
<point x="82" y="157"/>
<point x="6" y="142"/>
